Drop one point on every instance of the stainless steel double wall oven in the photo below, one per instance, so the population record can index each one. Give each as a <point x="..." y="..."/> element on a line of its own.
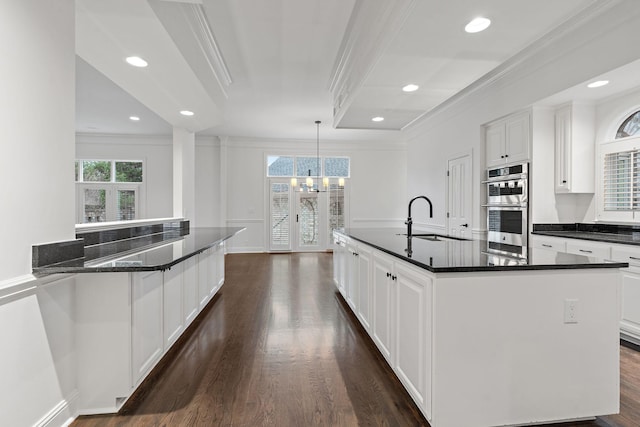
<point x="508" y="209"/>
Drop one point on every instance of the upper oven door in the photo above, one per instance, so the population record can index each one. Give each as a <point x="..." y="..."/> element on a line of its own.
<point x="507" y="192"/>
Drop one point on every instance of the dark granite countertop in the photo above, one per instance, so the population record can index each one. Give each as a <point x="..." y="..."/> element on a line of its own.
<point x="608" y="233"/>
<point x="148" y="253"/>
<point x="453" y="256"/>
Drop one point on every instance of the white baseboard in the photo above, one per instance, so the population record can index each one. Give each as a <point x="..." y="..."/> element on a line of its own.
<point x="62" y="414"/>
<point x="246" y="250"/>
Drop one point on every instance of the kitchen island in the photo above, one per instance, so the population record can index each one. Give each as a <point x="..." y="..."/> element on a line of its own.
<point x="478" y="339"/>
<point x="137" y="290"/>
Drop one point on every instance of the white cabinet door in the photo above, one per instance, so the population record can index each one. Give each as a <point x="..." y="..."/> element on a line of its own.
<point x="563" y="150"/>
<point x="364" y="287"/>
<point x="575" y="149"/>
<point x="413" y="333"/>
<point x="220" y="250"/>
<point x="172" y="304"/>
<point x="630" y="323"/>
<point x="190" y="305"/>
<point x="383" y="298"/>
<point x="146" y="321"/>
<point x="205" y="279"/>
<point x="351" y="287"/>
<point x="517" y="130"/>
<point x="508" y="140"/>
<point x="336" y="260"/>
<point x="495" y="144"/>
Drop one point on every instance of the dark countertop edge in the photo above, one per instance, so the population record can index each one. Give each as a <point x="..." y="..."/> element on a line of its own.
<point x="489" y="268"/>
<point x="585" y="236"/>
<point x="43" y="271"/>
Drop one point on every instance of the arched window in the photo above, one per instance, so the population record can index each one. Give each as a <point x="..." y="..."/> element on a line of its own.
<point x="630" y="127"/>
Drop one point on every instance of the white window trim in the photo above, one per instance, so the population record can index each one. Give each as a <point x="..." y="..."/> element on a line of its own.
<point x="619" y="145"/>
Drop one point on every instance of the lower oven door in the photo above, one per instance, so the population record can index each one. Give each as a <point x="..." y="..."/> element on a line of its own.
<point x="507" y="225"/>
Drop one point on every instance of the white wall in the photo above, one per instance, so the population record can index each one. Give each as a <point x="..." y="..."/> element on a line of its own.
<point x="37" y="42"/>
<point x="38" y="114"/>
<point x="208" y="183"/>
<point x="377" y="185"/>
<point x="566" y="60"/>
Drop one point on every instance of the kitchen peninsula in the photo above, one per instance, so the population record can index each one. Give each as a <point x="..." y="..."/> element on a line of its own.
<point x="512" y="342"/>
<point x="138" y="286"/>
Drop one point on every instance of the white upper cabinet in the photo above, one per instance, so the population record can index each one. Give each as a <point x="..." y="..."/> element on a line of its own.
<point x="575" y="148"/>
<point x="507" y="140"/>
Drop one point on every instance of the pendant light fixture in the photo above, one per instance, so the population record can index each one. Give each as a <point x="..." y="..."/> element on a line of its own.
<point x="322" y="181"/>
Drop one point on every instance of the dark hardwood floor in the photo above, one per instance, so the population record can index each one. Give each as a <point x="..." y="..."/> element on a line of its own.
<point x="278" y="347"/>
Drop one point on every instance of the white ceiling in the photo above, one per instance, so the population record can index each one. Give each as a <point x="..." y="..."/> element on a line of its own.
<point x="270" y="68"/>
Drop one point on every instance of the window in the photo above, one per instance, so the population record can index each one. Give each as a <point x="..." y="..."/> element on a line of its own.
<point x="108" y="190"/>
<point x="336" y="167"/>
<point x="619" y="190"/>
<point x="620" y="175"/>
<point x="629" y="127"/>
<point x="279" y="166"/>
<point x="301" y="166"/>
<point x="307" y="166"/>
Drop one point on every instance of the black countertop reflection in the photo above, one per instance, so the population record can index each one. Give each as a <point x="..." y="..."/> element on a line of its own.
<point x="456" y="256"/>
<point x="149" y="253"/>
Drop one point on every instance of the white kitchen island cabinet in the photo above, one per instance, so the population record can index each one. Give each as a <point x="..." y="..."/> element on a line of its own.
<point x="512" y="345"/>
<point x="133" y="305"/>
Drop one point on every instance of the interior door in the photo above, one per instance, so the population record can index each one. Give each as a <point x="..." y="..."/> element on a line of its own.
<point x="459" y="197"/>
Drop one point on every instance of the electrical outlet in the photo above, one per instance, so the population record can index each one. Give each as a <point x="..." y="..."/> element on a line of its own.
<point x="570" y="311"/>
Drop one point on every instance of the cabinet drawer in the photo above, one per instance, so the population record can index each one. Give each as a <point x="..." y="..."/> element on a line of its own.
<point x="594" y="249"/>
<point x="552" y="243"/>
<point x="629" y="254"/>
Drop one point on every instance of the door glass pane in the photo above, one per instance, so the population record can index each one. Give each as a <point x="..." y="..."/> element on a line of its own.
<point x="95" y="206"/>
<point x="308" y="219"/>
<point x="280" y="221"/>
<point x="336" y="209"/>
<point x="126" y="205"/>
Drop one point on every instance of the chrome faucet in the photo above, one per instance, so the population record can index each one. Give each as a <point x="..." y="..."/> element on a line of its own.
<point x="409" y="221"/>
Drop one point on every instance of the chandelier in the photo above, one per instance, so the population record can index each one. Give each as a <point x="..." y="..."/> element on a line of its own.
<point x="309" y="181"/>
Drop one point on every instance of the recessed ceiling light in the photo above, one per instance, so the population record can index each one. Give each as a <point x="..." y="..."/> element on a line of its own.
<point x="410" y="88"/>
<point x="186" y="113"/>
<point x="477" y="25"/>
<point x="377" y="119"/>
<point x="134" y="118"/>
<point x="598" y="83"/>
<point x="136" y="61"/>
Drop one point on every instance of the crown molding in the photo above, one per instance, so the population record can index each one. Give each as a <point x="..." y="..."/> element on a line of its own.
<point x="199" y="25"/>
<point x="369" y="31"/>
<point x="589" y="12"/>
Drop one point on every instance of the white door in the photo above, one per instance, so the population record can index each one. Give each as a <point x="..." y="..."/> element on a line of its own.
<point x="459" y="197"/>
<point x="280" y="215"/>
<point x="310" y="218"/>
<point x="303" y="220"/>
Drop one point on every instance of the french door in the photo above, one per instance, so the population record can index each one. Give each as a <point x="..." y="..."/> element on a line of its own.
<point x="107" y="202"/>
<point x="303" y="220"/>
